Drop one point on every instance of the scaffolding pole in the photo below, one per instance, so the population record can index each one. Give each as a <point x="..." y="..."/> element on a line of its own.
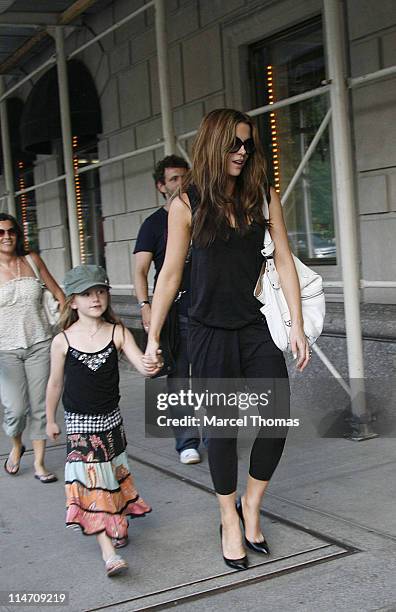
<point x="346" y="209"/>
<point x="163" y="78"/>
<point x="307" y="156"/>
<point x="67" y="146"/>
<point x="7" y="155"/>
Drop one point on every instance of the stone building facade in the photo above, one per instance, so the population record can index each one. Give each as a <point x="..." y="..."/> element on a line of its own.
<point x="210" y="55"/>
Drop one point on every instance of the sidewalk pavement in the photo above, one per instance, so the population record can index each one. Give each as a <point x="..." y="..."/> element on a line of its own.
<point x="329" y="517"/>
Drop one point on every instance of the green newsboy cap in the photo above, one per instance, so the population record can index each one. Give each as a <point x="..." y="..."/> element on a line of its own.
<point x="82" y="278"/>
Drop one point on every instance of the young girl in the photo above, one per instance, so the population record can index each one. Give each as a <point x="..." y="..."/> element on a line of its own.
<point x="100" y="491"/>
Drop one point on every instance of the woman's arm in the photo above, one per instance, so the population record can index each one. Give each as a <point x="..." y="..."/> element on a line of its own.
<point x="169" y="279"/>
<point x="289" y="280"/>
<point x="143" y="260"/>
<point x="48" y="279"/>
<point x="55" y="384"/>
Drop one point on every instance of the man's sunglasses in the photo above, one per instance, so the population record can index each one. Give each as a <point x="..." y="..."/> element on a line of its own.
<point x="10" y="232"/>
<point x="248" y="145"/>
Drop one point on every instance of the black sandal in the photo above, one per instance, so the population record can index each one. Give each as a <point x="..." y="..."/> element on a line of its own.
<point x="14" y="465"/>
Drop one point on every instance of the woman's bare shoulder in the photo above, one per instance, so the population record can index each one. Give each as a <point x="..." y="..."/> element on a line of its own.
<point x="274" y="194"/>
<point x="60" y="343"/>
<point x="182" y="200"/>
<point x="180" y="208"/>
<point x="36" y="258"/>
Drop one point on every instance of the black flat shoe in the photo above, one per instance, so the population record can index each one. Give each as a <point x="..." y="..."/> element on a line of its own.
<point x="235" y="564"/>
<point x="259" y="547"/>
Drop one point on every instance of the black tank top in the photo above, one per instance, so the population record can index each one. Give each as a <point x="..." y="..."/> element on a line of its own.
<point x="91" y="380"/>
<point x="224" y="275"/>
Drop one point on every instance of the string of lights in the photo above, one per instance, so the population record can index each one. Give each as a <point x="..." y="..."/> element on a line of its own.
<point x="273" y="125"/>
<point x="24" y="204"/>
<point x="80" y="216"/>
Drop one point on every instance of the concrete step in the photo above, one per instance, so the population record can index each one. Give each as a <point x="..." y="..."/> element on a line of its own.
<point x="378" y="321"/>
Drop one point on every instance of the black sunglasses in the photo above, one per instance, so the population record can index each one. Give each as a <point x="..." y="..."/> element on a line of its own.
<point x="10" y="232"/>
<point x="248" y="145"/>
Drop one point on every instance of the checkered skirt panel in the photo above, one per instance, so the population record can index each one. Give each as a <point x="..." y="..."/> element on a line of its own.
<point x="90" y="423"/>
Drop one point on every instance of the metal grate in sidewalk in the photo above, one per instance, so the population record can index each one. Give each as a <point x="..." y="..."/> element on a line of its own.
<point x="315" y="548"/>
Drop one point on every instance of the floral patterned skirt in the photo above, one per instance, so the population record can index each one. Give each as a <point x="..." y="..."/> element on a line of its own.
<point x="100" y="490"/>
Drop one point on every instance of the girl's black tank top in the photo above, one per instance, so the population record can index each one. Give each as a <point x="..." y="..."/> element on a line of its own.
<point x="224" y="275"/>
<point x="91" y="380"/>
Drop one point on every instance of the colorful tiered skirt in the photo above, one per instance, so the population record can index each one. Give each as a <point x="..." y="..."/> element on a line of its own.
<point x="100" y="490"/>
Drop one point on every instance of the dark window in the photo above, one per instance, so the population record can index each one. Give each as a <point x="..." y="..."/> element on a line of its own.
<point x="89" y="208"/>
<point x="26" y="205"/>
<point x="283" y="66"/>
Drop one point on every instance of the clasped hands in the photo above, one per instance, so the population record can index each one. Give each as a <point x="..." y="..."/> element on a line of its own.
<point x="152" y="362"/>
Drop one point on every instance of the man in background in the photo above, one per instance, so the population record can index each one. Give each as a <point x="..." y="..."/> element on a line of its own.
<point x="151" y="247"/>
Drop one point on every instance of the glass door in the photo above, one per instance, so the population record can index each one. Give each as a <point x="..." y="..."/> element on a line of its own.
<point x="283" y="66"/>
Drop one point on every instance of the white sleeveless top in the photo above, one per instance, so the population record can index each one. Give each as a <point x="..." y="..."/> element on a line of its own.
<point x="23" y="322"/>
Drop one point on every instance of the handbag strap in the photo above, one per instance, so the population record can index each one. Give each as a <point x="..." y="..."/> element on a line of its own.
<point x="33" y="266"/>
<point x="266" y="208"/>
<point x="268" y="246"/>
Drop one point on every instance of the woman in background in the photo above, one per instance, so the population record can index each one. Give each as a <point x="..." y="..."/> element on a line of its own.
<point x="25" y="337"/>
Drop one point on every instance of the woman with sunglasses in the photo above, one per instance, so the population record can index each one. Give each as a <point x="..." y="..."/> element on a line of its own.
<point x="221" y="213"/>
<point x="25" y="337"/>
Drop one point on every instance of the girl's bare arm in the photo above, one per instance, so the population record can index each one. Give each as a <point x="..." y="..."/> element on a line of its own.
<point x="55" y="383"/>
<point x="125" y="342"/>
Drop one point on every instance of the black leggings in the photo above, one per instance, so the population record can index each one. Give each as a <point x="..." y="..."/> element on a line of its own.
<point x="234" y="354"/>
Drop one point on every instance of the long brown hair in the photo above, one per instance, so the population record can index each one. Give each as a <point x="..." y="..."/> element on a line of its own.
<point x="211" y="148"/>
<point x="69" y="315"/>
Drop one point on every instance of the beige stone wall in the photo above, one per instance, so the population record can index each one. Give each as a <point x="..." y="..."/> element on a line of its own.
<point x="208" y="40"/>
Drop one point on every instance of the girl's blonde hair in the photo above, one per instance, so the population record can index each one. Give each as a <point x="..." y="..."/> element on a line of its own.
<point x="212" y="145"/>
<point x="69" y="315"/>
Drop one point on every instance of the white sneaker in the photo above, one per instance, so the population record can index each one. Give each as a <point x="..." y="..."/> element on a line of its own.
<point x="189" y="456"/>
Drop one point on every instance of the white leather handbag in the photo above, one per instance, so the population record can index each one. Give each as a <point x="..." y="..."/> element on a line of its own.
<point x="269" y="292"/>
<point x="50" y="304"/>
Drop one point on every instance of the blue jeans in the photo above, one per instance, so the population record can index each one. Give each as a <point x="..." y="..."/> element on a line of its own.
<point x="186" y="437"/>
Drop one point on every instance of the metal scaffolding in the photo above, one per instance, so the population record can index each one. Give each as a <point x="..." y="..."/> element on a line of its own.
<point x="6" y="148"/>
<point x="346" y="210"/>
<point x="163" y="78"/>
<point x="337" y="116"/>
<point x="64" y="104"/>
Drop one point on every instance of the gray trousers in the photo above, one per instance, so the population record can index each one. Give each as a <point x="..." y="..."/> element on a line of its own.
<point x="23" y="380"/>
